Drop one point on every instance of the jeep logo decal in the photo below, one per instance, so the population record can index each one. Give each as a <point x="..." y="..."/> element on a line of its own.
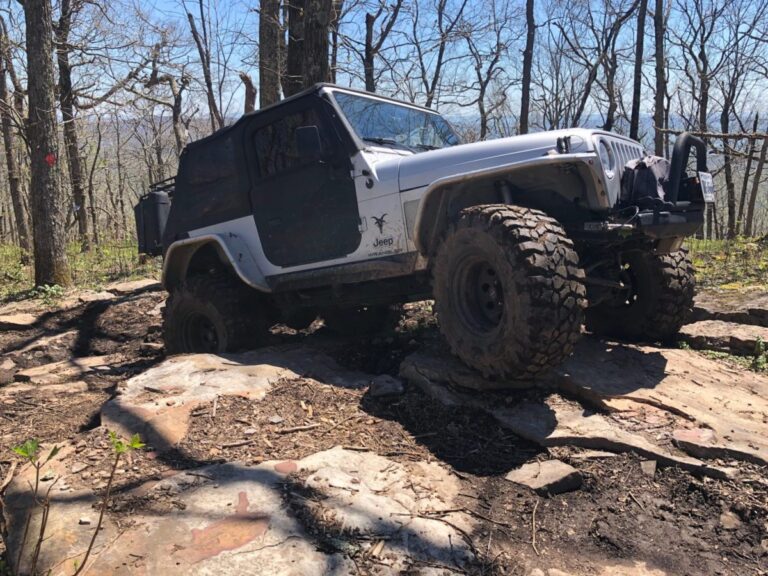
<point x="380" y="221"/>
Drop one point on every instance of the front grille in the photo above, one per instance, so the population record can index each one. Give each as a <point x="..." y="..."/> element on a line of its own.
<point x="625" y="152"/>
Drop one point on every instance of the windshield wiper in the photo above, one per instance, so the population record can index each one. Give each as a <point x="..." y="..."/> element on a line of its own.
<point x="389" y="141"/>
<point x="428" y="147"/>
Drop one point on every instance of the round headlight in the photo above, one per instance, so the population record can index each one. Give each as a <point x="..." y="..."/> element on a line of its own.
<point x="607" y="159"/>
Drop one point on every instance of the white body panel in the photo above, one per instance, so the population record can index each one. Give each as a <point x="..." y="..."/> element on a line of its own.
<point x="390" y="185"/>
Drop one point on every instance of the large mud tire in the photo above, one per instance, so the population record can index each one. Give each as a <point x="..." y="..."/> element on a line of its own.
<point x="509" y="292"/>
<point x="213" y="314"/>
<point x="658" y="302"/>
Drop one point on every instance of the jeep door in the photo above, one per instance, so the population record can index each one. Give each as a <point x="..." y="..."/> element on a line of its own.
<point x="305" y="207"/>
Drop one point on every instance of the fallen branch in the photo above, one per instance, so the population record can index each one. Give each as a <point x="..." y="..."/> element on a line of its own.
<point x="533" y="529"/>
<point x="298" y="429"/>
<point x="636" y="501"/>
<point x="8" y="477"/>
<point x="237" y="444"/>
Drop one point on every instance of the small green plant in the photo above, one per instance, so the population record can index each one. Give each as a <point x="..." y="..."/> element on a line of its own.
<point x="683" y="345"/>
<point x="760" y="356"/>
<point x="119" y="447"/>
<point x="49" y="293"/>
<point x="30" y="451"/>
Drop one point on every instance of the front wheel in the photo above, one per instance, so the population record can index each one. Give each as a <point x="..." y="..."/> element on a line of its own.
<point x="509" y="292"/>
<point x="213" y="314"/>
<point x="655" y="301"/>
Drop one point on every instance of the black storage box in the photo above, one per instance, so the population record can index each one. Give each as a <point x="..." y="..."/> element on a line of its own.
<point x="151" y="216"/>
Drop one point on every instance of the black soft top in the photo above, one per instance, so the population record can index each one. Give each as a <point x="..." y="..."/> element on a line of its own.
<point x="313" y="90"/>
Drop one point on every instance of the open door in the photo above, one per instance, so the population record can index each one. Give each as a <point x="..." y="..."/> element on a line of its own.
<point x="303" y="194"/>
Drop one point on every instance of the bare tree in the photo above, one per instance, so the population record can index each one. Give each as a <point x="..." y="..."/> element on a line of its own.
<point x="317" y="23"/>
<point x="373" y="44"/>
<point x="12" y="165"/>
<point x="269" y="52"/>
<point x="293" y="79"/>
<point x="203" y="44"/>
<point x="67" y="103"/>
<point x="47" y="202"/>
<point x="525" y="89"/>
<point x="249" y="100"/>
<point x="432" y="48"/>
<point x="659" y="28"/>
<point x="592" y="41"/>
<point x="488" y="45"/>
<point x="637" y="77"/>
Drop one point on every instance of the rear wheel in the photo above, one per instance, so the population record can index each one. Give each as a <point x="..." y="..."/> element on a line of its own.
<point x="213" y="314"/>
<point x="509" y="291"/>
<point x="655" y="302"/>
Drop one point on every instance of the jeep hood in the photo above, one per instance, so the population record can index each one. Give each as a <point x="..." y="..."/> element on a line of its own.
<point x="422" y="169"/>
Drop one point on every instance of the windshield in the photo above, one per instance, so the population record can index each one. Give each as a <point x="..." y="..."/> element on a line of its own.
<point x="391" y="124"/>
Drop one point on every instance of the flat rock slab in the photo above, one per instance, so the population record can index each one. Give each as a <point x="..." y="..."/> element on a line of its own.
<point x="548" y="477"/>
<point x="59" y="372"/>
<point x="18" y="321"/>
<point x="158" y="403"/>
<point x="732" y="403"/>
<point x="122" y="288"/>
<point x="555" y="421"/>
<point x="76" y="387"/>
<point x="44" y="342"/>
<point x="738" y="339"/>
<point x="627" y="568"/>
<point x="743" y="307"/>
<point x="233" y="519"/>
<point x="88" y="296"/>
<point x="450" y="370"/>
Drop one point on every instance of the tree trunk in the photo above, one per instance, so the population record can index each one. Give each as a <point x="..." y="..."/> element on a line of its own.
<point x="338" y="6"/>
<point x="659" y="28"/>
<point x="369" y="54"/>
<point x="204" y="51"/>
<point x="91" y="192"/>
<point x="293" y="81"/>
<point x="269" y="52"/>
<point x="610" y="85"/>
<point x="317" y="23"/>
<point x="48" y="206"/>
<point x="14" y="179"/>
<point x="250" y="93"/>
<point x="730" y="186"/>
<point x="530" y="39"/>
<point x="750" y="220"/>
<point x="67" y="103"/>
<point x="752" y="147"/>
<point x="634" y="121"/>
<point x="373" y="46"/>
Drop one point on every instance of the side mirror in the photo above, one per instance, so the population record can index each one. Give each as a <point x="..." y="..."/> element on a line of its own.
<point x="308" y="142"/>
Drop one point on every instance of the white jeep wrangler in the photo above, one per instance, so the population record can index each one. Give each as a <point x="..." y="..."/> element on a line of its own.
<point x="344" y="204"/>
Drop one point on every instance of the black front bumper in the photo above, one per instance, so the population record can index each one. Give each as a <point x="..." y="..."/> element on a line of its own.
<point x="685" y="219"/>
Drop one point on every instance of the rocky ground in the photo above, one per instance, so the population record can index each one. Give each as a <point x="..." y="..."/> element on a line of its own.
<point x="321" y="455"/>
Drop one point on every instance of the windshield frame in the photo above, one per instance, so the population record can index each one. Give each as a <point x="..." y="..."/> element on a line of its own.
<point x="366" y="144"/>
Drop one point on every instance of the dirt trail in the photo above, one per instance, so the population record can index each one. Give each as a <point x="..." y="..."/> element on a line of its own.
<point x="321" y="455"/>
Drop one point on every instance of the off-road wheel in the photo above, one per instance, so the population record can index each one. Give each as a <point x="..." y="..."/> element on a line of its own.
<point x="213" y="314"/>
<point x="509" y="292"/>
<point x="655" y="303"/>
<point x="363" y="320"/>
